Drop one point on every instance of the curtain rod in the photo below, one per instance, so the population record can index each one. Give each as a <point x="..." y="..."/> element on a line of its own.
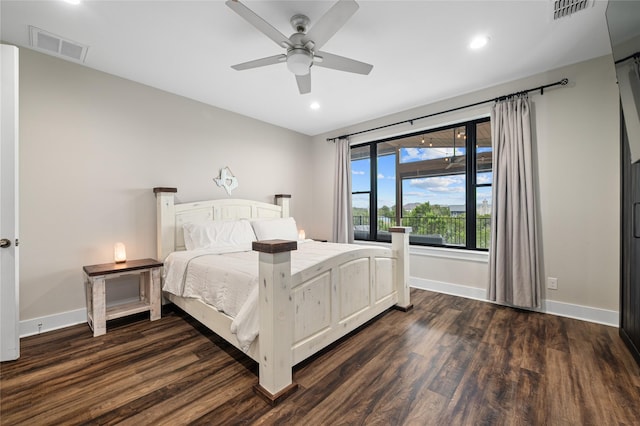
<point x="562" y="82"/>
<point x="634" y="55"/>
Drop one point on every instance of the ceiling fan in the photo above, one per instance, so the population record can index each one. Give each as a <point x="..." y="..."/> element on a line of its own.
<point x="303" y="47"/>
<point x="454" y="159"/>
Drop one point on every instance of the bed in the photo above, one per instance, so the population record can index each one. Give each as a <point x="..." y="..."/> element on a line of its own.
<point x="298" y="313"/>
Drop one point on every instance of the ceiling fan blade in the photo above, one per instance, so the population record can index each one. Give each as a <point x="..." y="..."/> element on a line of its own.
<point x="260" y="62"/>
<point x="450" y="162"/>
<point x="330" y="22"/>
<point x="304" y="83"/>
<point x="329" y="60"/>
<point x="262" y="25"/>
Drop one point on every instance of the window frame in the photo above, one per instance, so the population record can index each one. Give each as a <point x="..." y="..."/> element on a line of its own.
<point x="471" y="184"/>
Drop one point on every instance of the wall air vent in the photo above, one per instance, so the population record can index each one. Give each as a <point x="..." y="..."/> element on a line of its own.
<point x="56" y="45"/>
<point x="564" y="8"/>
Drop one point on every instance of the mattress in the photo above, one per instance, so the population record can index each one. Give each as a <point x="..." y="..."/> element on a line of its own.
<point x="227" y="279"/>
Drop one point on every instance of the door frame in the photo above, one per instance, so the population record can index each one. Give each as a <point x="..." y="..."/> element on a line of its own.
<point x="9" y="257"/>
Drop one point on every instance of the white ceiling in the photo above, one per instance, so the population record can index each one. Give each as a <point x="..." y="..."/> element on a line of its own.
<point x="418" y="49"/>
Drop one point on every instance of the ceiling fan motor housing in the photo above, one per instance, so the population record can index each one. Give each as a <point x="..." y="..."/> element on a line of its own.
<point x="300" y="23"/>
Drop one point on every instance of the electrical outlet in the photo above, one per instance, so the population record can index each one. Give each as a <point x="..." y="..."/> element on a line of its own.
<point x="552" y="283"/>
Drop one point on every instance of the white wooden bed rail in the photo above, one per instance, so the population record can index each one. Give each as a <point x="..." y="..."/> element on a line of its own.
<point x="299" y="314"/>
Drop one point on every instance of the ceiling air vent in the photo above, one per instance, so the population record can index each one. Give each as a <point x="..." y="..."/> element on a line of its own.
<point x="563" y="8"/>
<point x="56" y="45"/>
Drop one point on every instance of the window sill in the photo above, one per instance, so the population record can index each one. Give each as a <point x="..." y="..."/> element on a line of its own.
<point x="441" y="252"/>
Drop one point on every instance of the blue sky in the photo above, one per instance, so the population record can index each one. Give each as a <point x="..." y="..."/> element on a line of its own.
<point x="442" y="190"/>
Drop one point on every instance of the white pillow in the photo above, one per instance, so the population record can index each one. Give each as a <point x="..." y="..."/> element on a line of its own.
<point x="275" y="229"/>
<point x="188" y="242"/>
<point x="216" y="234"/>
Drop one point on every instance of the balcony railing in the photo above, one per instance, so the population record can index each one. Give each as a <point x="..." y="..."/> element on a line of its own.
<point x="445" y="230"/>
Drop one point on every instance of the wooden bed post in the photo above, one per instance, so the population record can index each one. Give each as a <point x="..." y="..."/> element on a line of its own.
<point x="276" y="320"/>
<point x="400" y="248"/>
<point x="165" y="221"/>
<point x="284" y="201"/>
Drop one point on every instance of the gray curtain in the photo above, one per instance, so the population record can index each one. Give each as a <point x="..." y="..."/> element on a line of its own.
<point x="342" y="215"/>
<point x="513" y="256"/>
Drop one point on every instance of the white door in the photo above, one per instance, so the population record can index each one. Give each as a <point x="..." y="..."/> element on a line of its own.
<point x="9" y="289"/>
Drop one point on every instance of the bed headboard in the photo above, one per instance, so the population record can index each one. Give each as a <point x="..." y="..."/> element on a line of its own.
<point x="170" y="216"/>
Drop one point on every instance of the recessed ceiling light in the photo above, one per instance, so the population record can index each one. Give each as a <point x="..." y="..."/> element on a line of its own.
<point x="479" y="42"/>
<point x="314" y="105"/>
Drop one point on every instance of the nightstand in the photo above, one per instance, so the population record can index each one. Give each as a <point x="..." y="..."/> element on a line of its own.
<point x="95" y="279"/>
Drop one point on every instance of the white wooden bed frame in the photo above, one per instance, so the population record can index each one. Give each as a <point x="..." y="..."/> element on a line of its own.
<point x="299" y="314"/>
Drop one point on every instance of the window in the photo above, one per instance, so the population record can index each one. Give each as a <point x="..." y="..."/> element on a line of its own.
<point x="438" y="182"/>
<point x="361" y="191"/>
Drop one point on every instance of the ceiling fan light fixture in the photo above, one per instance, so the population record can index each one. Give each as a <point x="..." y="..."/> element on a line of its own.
<point x="299" y="61"/>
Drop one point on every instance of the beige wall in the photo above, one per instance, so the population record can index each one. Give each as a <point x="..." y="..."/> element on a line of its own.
<point x="93" y="145"/>
<point x="577" y="152"/>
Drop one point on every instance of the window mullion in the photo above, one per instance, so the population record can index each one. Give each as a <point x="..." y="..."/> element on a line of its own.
<point x="373" y="199"/>
<point x="471" y="185"/>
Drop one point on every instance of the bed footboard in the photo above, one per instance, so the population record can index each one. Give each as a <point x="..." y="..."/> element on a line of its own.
<point x="297" y="319"/>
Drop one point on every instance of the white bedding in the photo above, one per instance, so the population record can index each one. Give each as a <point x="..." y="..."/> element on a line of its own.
<point x="227" y="279"/>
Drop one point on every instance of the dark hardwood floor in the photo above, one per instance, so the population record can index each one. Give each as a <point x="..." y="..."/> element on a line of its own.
<point x="449" y="361"/>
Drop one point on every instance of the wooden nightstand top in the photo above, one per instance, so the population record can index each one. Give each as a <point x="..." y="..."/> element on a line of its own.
<point x="115" y="268"/>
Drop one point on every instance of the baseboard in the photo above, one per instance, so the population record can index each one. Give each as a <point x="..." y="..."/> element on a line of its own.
<point x="569" y="310"/>
<point x="56" y="321"/>
<point x="585" y="313"/>
<point x="448" y="288"/>
<point x="52" y="322"/>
